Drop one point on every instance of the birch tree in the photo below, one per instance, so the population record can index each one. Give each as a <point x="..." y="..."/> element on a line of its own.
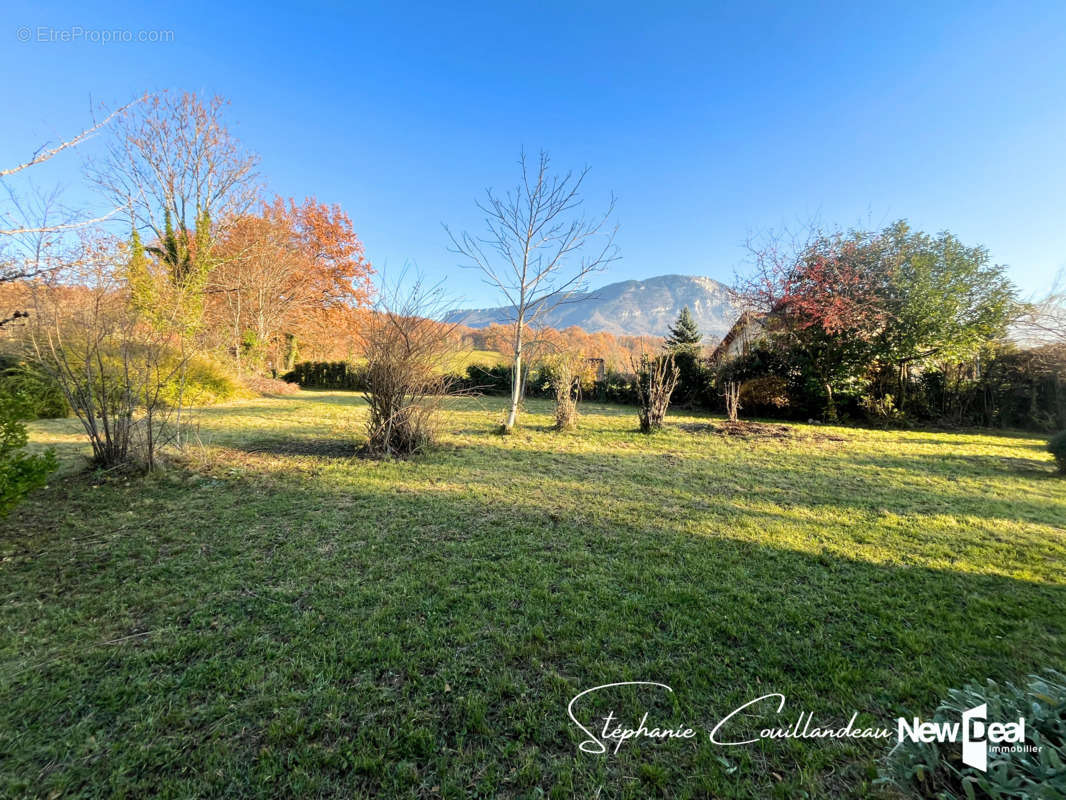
<point x="538" y="249"/>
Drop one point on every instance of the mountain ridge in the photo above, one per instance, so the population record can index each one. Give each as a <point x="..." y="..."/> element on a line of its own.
<point x="631" y="308"/>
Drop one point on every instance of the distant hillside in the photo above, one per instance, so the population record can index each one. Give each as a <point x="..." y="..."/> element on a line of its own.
<point x="632" y="308"/>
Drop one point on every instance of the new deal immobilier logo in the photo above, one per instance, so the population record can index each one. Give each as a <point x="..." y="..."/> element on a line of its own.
<point x="976" y="735"/>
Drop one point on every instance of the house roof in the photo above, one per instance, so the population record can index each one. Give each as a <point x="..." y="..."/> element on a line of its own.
<point x="738" y="327"/>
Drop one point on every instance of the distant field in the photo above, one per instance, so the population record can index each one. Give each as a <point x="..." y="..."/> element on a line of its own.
<point x="279" y="618"/>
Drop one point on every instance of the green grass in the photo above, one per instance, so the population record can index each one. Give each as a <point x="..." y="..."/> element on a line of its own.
<point x="279" y="618"/>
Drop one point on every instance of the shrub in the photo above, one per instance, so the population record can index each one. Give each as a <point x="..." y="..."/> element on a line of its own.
<point x="656" y="381"/>
<point x="1057" y="447"/>
<point x="767" y="392"/>
<point x="690" y="378"/>
<point x="40" y="395"/>
<point x="492" y="379"/>
<point x="935" y="770"/>
<point x="335" y="375"/>
<point x="20" y="472"/>
<point x="770" y="383"/>
<point x="618" y="387"/>
<point x="116" y="372"/>
<point x="206" y="382"/>
<point x="563" y="373"/>
<point x="406" y="355"/>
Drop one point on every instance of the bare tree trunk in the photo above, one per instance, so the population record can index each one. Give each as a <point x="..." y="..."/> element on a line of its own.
<point x="516" y="382"/>
<point x="516" y="391"/>
<point x="732" y="400"/>
<point x="830" y="403"/>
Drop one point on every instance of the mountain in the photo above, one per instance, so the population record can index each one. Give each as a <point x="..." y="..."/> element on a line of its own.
<point x="632" y="308"/>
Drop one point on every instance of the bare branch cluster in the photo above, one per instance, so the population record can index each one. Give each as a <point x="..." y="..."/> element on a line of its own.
<point x="176" y="156"/>
<point x="407" y="353"/>
<point x="113" y="368"/>
<point x="656" y="380"/>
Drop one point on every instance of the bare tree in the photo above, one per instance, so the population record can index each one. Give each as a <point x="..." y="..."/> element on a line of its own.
<point x="114" y="368"/>
<point x="1043" y="321"/>
<point x="731" y="395"/>
<point x="180" y="173"/>
<point x="538" y="250"/>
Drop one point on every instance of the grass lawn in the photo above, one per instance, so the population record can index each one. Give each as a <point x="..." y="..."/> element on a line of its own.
<point x="282" y="619"/>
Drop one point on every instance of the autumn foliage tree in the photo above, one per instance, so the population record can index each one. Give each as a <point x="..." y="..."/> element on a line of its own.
<point x="289" y="278"/>
<point x="825" y="301"/>
<point x="846" y="303"/>
<point x="616" y="351"/>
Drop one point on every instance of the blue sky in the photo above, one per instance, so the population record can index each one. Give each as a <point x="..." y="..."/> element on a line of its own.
<point x="707" y="122"/>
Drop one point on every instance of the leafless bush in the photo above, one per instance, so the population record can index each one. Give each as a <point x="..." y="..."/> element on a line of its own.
<point x="656" y="380"/>
<point x="407" y="353"/>
<point x="731" y="394"/>
<point x="566" y="374"/>
<point x="116" y="371"/>
<point x="1043" y="321"/>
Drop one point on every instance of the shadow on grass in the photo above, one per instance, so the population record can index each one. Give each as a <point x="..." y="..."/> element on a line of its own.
<point x="279" y="625"/>
<point x="951" y="465"/>
<point x="320" y="447"/>
<point x="848" y="480"/>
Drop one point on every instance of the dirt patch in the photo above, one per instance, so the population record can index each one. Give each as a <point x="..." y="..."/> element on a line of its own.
<point x="754" y="430"/>
<point x="745" y="429"/>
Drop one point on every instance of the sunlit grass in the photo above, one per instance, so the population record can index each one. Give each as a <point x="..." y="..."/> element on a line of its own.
<point x="278" y="617"/>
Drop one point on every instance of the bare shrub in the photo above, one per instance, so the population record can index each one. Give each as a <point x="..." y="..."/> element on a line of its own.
<point x="566" y="371"/>
<point x="117" y="371"/>
<point x="407" y="353"/>
<point x="731" y="395"/>
<point x="656" y="380"/>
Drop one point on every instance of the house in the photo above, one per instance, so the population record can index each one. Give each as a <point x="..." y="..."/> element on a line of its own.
<point x="746" y="331"/>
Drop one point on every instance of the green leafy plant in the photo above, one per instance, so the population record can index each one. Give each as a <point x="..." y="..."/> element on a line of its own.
<point x="41" y="396"/>
<point x="204" y="382"/>
<point x="935" y="770"/>
<point x="1057" y="447"/>
<point x="20" y="472"/>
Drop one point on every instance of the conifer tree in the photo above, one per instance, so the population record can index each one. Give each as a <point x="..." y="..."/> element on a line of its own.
<point x="684" y="335"/>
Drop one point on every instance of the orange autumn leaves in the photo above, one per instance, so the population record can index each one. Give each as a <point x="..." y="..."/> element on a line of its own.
<point x="614" y="350"/>
<point x="288" y="281"/>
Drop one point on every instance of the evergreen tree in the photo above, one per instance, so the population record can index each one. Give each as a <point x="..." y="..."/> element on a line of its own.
<point x="684" y="345"/>
<point x="142" y="290"/>
<point x="684" y="335"/>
